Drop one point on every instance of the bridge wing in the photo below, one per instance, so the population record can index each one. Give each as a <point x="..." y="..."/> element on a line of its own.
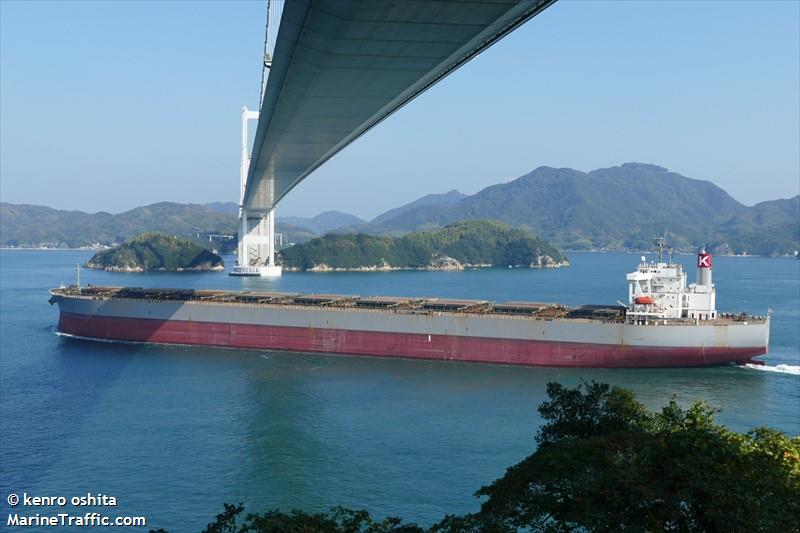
<point x="342" y="66"/>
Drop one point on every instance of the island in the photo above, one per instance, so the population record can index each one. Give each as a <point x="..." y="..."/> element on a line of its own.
<point x="156" y="252"/>
<point x="467" y="244"/>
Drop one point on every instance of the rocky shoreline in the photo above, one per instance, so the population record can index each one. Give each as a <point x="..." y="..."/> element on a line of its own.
<point x="440" y="263"/>
<point x="135" y="269"/>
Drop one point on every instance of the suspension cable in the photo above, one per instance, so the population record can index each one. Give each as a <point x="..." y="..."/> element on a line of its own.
<point x="266" y="61"/>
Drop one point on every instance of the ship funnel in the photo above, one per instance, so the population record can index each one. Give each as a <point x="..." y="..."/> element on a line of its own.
<point x="704" y="264"/>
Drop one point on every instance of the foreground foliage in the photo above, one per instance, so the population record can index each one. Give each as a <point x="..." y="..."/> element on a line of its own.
<point x="476" y="242"/>
<point x="153" y="251"/>
<point x="604" y="463"/>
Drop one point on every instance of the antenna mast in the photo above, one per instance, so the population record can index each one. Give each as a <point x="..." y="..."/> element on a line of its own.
<point x="661" y="240"/>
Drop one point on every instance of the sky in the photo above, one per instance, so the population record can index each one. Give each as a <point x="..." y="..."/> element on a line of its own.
<point x="106" y="106"/>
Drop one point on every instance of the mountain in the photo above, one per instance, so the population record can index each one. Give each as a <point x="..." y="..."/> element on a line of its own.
<point x="324" y="222"/>
<point x="226" y="208"/>
<point x="291" y="233"/>
<point x="294" y="234"/>
<point x="768" y="228"/>
<point x="31" y="225"/>
<point x="318" y="225"/>
<point x="621" y="207"/>
<point x="770" y="214"/>
<point x="618" y="207"/>
<point x="447" y="199"/>
<point x="474" y="242"/>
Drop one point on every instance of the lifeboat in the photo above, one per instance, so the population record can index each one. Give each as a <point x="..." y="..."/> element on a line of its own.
<point x="645" y="300"/>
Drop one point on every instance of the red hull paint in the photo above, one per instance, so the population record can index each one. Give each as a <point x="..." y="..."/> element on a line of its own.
<point x="405" y="345"/>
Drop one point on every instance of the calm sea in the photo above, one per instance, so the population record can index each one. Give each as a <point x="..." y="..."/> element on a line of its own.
<point x="173" y="432"/>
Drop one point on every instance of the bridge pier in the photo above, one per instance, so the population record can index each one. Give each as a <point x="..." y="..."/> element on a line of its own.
<point x="256" y="247"/>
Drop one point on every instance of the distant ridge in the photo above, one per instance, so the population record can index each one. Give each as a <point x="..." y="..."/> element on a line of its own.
<point x="622" y="207"/>
<point x="32" y="225"/>
<point x="325" y="222"/>
<point x="447" y="199"/>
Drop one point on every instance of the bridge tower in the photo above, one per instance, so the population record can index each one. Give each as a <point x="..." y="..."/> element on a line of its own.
<point x="256" y="247"/>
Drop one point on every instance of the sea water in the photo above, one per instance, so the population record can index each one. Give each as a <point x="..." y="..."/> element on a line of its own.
<point x="173" y="432"/>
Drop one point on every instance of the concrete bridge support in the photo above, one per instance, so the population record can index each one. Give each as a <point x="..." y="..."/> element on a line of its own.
<point x="256" y="248"/>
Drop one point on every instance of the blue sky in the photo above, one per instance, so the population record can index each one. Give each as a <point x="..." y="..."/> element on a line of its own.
<point x="112" y="105"/>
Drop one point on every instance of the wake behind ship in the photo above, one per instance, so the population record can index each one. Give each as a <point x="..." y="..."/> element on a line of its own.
<point x="665" y="323"/>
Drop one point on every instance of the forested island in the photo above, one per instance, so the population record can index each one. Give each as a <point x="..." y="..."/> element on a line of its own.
<point x="156" y="252"/>
<point x="475" y="243"/>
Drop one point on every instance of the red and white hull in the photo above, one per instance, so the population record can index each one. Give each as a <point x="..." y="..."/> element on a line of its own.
<point x="476" y="337"/>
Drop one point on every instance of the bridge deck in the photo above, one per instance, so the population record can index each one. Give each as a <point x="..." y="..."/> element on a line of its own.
<point x="341" y="66"/>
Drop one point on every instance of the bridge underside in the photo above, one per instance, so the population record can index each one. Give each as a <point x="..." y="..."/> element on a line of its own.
<point x="341" y="66"/>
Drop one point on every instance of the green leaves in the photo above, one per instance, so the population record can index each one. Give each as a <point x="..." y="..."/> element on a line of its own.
<point x="470" y="242"/>
<point x="600" y="410"/>
<point x="605" y="464"/>
<point x="153" y="251"/>
<point x="337" y="520"/>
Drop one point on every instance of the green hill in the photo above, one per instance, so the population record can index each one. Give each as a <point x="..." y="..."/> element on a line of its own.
<point x="30" y="225"/>
<point x="618" y="207"/>
<point x="152" y="251"/>
<point x="323" y="223"/>
<point x="768" y="228"/>
<point x="298" y="229"/>
<point x="447" y="199"/>
<point x="455" y="246"/>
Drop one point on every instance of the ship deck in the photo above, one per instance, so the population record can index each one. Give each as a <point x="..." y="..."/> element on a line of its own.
<point x="531" y="310"/>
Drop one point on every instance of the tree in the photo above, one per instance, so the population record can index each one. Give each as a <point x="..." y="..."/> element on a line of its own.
<point x="337" y="520"/>
<point x="605" y="464"/>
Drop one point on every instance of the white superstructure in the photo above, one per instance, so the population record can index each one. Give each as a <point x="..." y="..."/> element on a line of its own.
<point x="658" y="291"/>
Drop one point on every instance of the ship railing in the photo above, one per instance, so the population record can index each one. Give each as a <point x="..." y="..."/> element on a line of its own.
<point x="388" y="302"/>
<point x="684" y="321"/>
<point x="522" y="310"/>
<point x="440" y="304"/>
<point x="325" y="300"/>
<point x="530" y="309"/>
<point x="658" y="314"/>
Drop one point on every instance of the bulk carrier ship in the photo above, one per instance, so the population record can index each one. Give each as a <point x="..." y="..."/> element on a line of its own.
<point x="664" y="324"/>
